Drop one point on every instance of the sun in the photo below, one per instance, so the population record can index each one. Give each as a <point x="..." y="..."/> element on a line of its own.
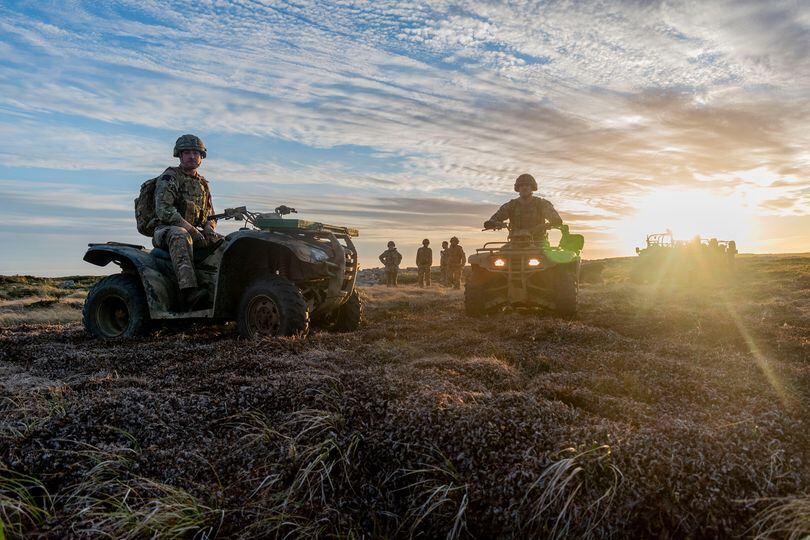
<point x="687" y="213"/>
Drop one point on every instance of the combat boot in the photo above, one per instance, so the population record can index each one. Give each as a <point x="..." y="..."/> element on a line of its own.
<point x="194" y="298"/>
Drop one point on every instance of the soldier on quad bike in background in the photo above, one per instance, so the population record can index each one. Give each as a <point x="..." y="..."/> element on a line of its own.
<point x="527" y="212"/>
<point x="182" y="207"/>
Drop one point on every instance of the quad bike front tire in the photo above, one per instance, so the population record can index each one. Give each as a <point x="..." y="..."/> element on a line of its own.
<point x="474" y="300"/>
<point x="349" y="315"/>
<point x="566" y="289"/>
<point x="116" y="308"/>
<point x="272" y="307"/>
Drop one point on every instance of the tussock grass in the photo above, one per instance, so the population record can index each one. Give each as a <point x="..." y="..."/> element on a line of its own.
<point x="787" y="518"/>
<point x="111" y="501"/>
<point x="23" y="413"/>
<point x="438" y="495"/>
<point x="24" y="502"/>
<point x="320" y="458"/>
<point x="553" y="503"/>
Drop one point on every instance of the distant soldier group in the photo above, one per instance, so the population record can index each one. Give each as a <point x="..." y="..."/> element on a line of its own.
<point x="451" y="262"/>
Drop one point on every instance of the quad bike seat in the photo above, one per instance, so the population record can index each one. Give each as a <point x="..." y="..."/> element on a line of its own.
<point x="200" y="254"/>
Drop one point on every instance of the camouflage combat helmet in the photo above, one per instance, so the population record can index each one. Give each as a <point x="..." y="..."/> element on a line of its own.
<point x="454" y="240"/>
<point x="391" y="244"/>
<point x="425" y="242"/>
<point x="189" y="142"/>
<point x="525" y="179"/>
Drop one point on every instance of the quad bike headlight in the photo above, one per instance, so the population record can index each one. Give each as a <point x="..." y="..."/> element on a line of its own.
<point x="500" y="263"/>
<point x="310" y="253"/>
<point x="534" y="262"/>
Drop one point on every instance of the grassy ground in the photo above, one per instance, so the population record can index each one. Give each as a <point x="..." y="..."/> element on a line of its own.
<point x="657" y="412"/>
<point x="26" y="299"/>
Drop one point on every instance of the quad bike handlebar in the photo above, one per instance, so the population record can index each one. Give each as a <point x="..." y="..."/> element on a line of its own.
<point x="491" y="225"/>
<point x="242" y="213"/>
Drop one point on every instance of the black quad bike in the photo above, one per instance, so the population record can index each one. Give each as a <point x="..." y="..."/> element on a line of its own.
<point x="274" y="277"/>
<point x="525" y="272"/>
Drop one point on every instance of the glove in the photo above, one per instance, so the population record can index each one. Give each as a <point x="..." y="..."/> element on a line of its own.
<point x="490" y="224"/>
<point x="211" y="236"/>
<point x="196" y="236"/>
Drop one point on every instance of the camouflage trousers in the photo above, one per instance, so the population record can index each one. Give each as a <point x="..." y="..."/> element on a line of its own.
<point x="180" y="246"/>
<point x="443" y="274"/>
<point x="424" y="276"/>
<point x="391" y="276"/>
<point x="454" y="275"/>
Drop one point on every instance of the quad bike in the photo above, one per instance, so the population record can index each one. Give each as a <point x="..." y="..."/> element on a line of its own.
<point x="273" y="277"/>
<point x="525" y="271"/>
<point x="665" y="259"/>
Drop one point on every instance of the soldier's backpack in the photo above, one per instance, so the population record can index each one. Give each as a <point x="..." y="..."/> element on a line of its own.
<point x="145" y="217"/>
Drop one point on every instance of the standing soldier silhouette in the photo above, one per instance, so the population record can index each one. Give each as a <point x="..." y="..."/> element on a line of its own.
<point x="443" y="263"/>
<point x="424" y="262"/>
<point x="391" y="259"/>
<point x="456" y="259"/>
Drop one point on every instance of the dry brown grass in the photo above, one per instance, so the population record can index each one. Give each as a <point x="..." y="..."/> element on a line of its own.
<point x="30" y="300"/>
<point x="658" y="411"/>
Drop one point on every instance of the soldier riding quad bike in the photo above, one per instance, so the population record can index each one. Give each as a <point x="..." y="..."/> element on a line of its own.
<point x="666" y="260"/>
<point x="525" y="271"/>
<point x="272" y="277"/>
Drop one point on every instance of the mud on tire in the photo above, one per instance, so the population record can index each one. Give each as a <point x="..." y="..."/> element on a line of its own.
<point x="474" y="299"/>
<point x="272" y="307"/>
<point x="566" y="289"/>
<point x="349" y="315"/>
<point x="116" y="308"/>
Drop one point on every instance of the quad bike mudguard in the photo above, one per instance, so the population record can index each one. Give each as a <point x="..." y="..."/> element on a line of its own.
<point x="247" y="251"/>
<point x="158" y="287"/>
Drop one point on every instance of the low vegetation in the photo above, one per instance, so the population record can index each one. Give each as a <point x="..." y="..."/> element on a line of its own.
<point x="659" y="410"/>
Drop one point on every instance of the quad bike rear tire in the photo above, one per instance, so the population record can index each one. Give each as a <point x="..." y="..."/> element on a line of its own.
<point x="349" y="315"/>
<point x="272" y="307"/>
<point x="566" y="289"/>
<point x="116" y="308"/>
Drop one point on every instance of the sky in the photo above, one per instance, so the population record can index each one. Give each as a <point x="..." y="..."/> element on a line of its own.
<point x="408" y="120"/>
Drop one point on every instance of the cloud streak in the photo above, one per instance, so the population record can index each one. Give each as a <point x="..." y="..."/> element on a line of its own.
<point x="604" y="102"/>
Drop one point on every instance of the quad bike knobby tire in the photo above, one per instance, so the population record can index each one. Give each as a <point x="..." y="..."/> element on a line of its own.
<point x="116" y="307"/>
<point x="349" y="315"/>
<point x="272" y="307"/>
<point x="566" y="288"/>
<point x="475" y="295"/>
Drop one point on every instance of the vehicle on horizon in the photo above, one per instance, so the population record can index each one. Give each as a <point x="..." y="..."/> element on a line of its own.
<point x="665" y="259"/>
<point x="273" y="276"/>
<point x="525" y="271"/>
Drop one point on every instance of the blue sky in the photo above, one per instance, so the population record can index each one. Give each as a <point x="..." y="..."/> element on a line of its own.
<point x="408" y="120"/>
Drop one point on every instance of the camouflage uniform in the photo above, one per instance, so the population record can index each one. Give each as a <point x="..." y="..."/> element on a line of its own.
<point x="530" y="214"/>
<point x="456" y="259"/>
<point x="443" y="265"/>
<point x="181" y="196"/>
<point x="391" y="259"/>
<point x="424" y="262"/>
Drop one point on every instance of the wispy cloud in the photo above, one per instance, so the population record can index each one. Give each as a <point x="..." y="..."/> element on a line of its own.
<point x="603" y="101"/>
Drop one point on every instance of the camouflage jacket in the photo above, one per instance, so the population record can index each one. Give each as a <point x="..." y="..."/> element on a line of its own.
<point x="456" y="256"/>
<point x="528" y="215"/>
<point x="181" y="196"/>
<point x="443" y="257"/>
<point x="391" y="258"/>
<point x="424" y="256"/>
